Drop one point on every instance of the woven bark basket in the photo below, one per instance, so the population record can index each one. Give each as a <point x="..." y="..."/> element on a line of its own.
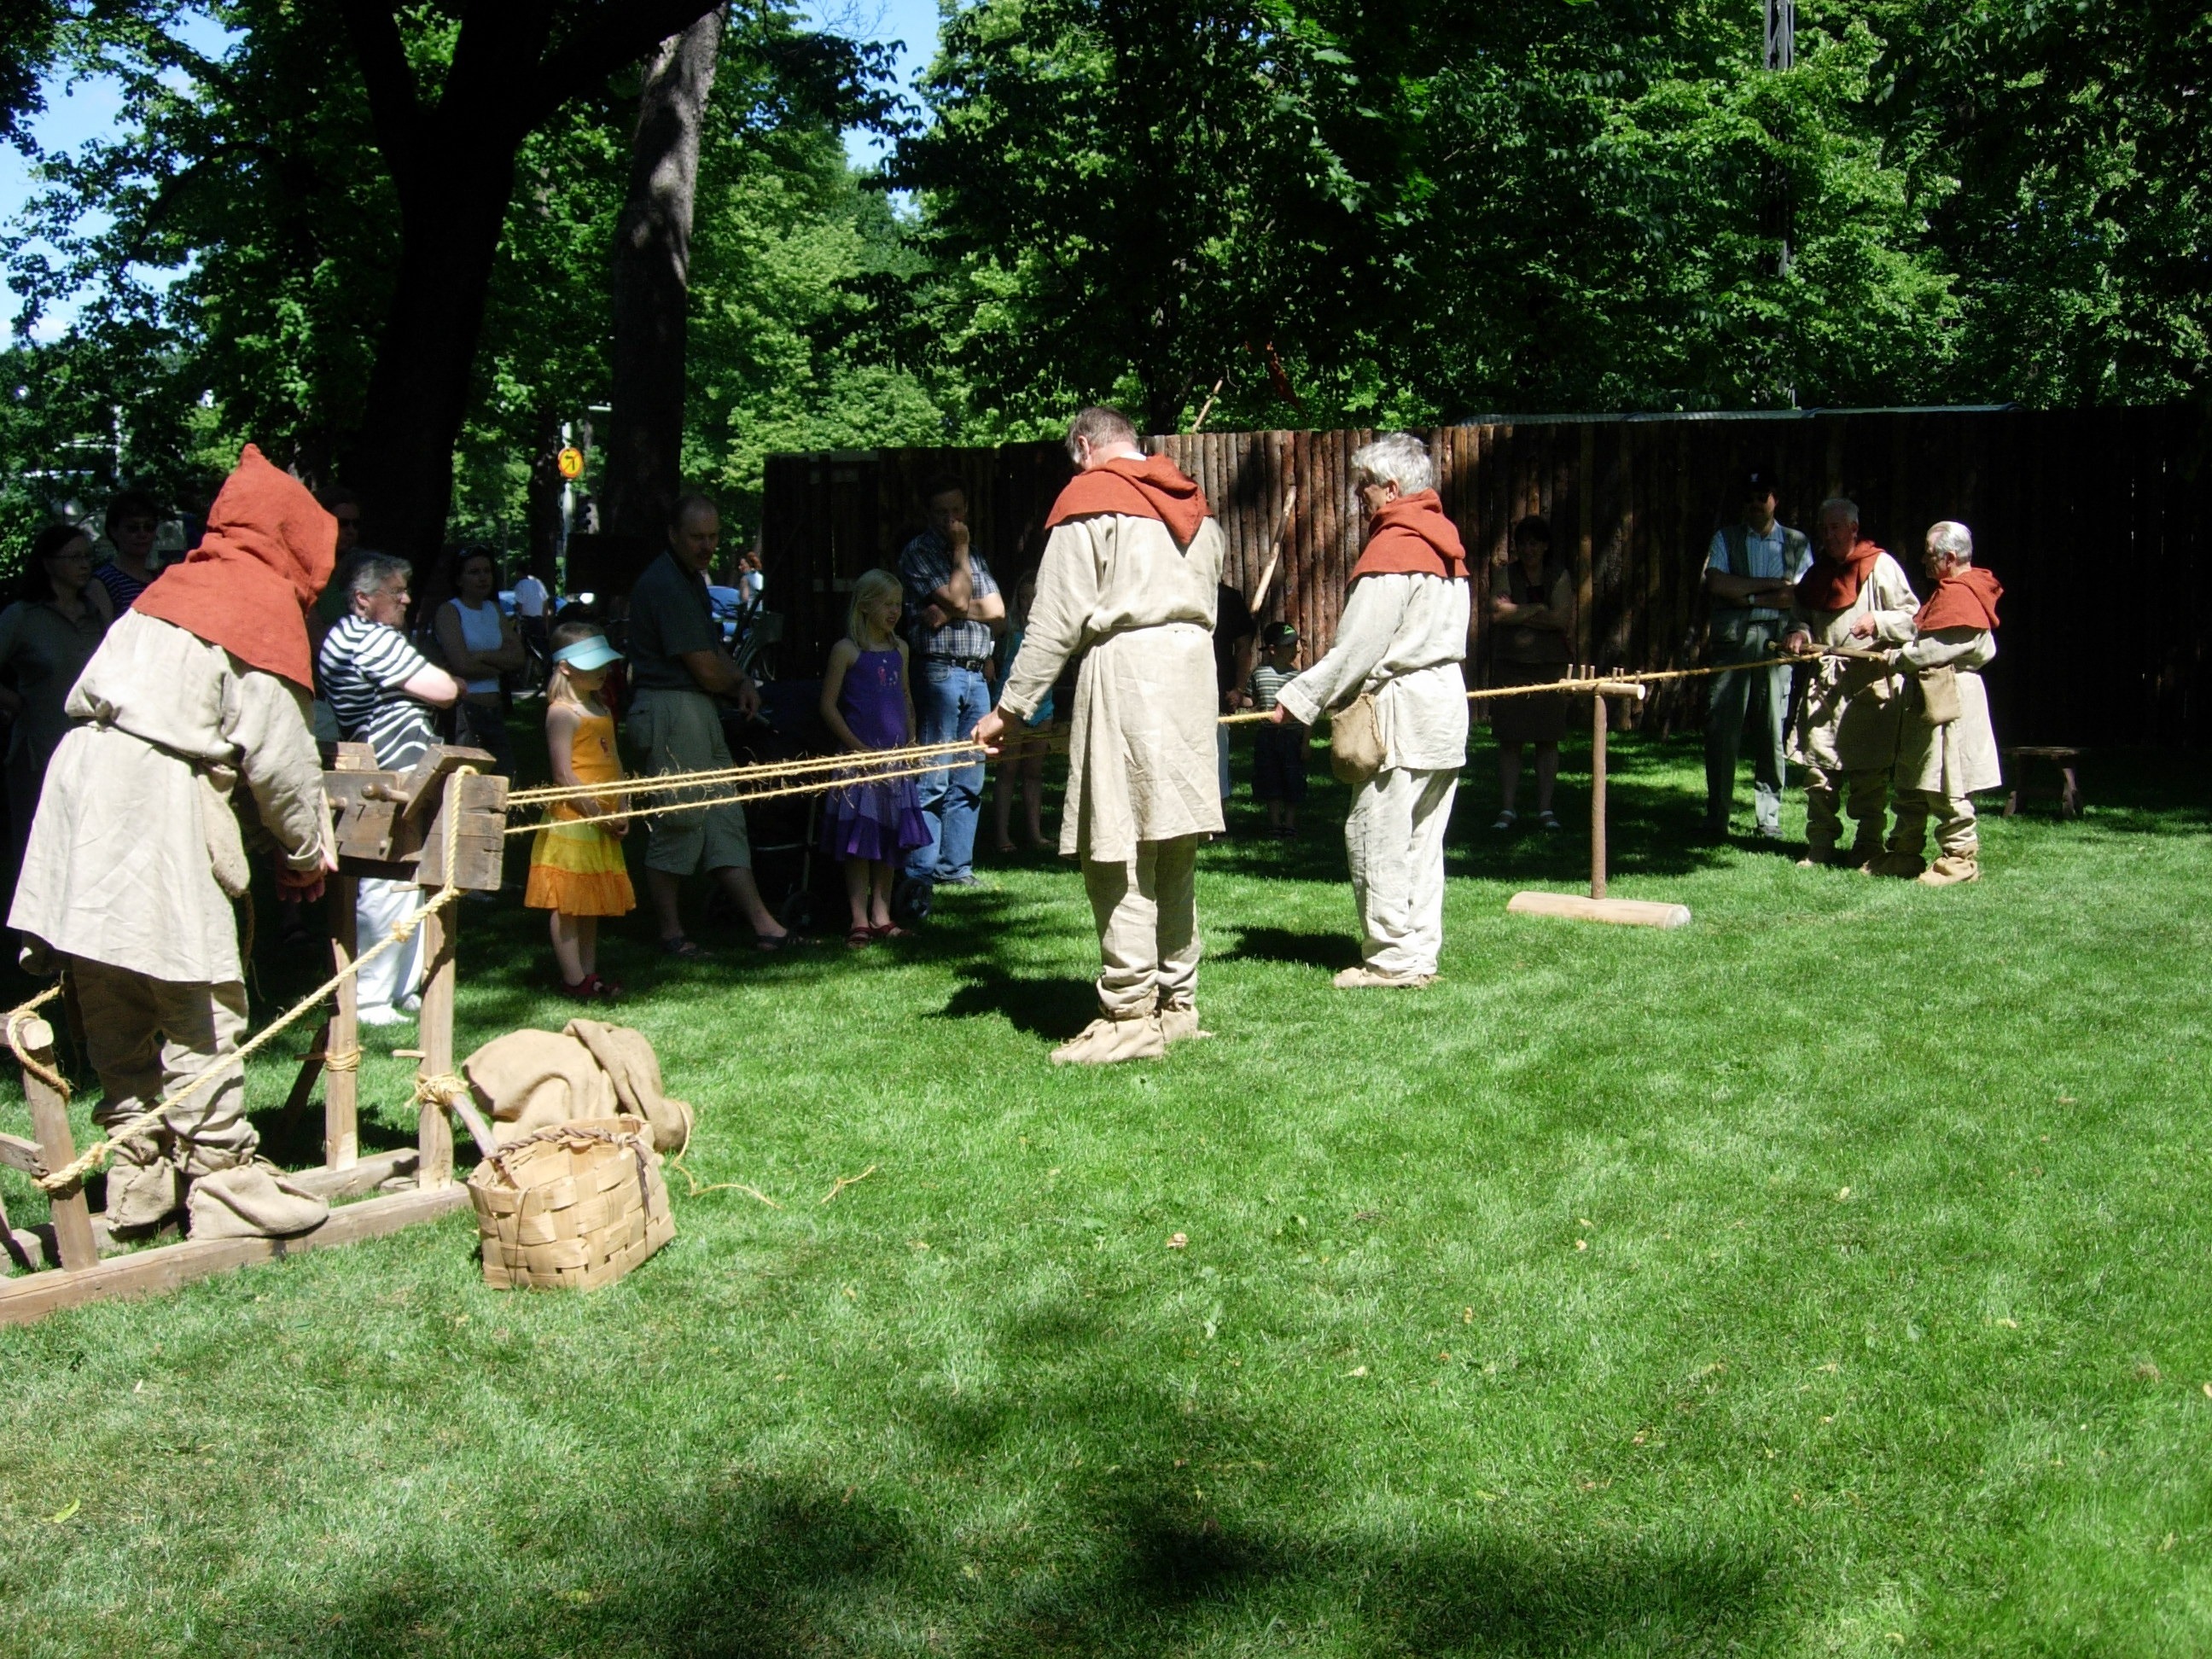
<point x="572" y="1207"/>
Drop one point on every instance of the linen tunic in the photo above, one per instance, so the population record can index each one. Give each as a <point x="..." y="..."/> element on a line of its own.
<point x="1848" y="719"/>
<point x="1956" y="759"/>
<point x="118" y="868"/>
<point x="1141" y="761"/>
<point x="1402" y="637"/>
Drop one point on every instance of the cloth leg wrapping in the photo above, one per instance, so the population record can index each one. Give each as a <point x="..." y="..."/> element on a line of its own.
<point x="125" y="1016"/>
<point x="1394" y="840"/>
<point x="1956" y="835"/>
<point x="1146" y="913"/>
<point x="1867" y="799"/>
<point x="1824" y="826"/>
<point x="1910" y="834"/>
<point x="398" y="972"/>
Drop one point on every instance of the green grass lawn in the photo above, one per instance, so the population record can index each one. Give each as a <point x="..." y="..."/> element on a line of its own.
<point x="1825" y="1278"/>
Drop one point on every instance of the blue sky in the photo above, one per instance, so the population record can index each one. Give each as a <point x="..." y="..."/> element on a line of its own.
<point x="90" y="110"/>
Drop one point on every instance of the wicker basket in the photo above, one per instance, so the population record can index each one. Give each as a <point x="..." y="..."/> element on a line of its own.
<point x="572" y="1207"/>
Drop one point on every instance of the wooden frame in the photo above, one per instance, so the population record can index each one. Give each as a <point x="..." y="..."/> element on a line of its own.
<point x="390" y="825"/>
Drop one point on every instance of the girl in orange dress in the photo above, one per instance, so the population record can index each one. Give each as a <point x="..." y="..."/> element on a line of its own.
<point x="577" y="870"/>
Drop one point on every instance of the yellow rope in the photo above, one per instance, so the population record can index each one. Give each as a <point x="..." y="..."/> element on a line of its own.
<point x="937" y="754"/>
<point x="440" y="1089"/>
<point x="347" y="1061"/>
<point x="97" y="1154"/>
<point x="46" y="1073"/>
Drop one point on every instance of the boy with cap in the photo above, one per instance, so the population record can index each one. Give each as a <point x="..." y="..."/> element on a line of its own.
<point x="1279" y="752"/>
<point x="1751" y="568"/>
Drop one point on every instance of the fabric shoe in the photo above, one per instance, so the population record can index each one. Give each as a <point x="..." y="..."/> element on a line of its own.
<point x="1905" y="866"/>
<point x="1951" y="870"/>
<point x="142" y="1196"/>
<point x="1109" y="1042"/>
<point x="1179" y="1023"/>
<point x="1364" y="978"/>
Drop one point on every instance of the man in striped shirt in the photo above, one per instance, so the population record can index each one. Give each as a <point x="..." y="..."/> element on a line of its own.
<point x="382" y="690"/>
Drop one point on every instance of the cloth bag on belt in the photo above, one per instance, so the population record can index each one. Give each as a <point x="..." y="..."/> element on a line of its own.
<point x="1939" y="695"/>
<point x="1355" y="741"/>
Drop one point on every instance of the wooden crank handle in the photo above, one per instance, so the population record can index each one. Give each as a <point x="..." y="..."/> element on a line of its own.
<point x="1628" y="689"/>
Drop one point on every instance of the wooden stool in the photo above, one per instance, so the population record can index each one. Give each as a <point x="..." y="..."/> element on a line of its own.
<point x="2070" y="787"/>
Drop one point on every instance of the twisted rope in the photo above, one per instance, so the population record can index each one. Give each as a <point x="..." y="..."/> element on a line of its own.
<point x="97" y="1154"/>
<point x="39" y="1069"/>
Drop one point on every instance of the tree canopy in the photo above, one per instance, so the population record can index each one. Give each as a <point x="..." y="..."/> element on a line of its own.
<point x="1332" y="213"/>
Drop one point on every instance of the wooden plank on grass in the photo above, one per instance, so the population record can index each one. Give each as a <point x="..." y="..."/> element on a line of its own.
<point x="146" y="1273"/>
<point x="1635" y="913"/>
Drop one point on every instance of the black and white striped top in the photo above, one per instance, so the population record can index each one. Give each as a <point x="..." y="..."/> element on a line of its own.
<point x="363" y="666"/>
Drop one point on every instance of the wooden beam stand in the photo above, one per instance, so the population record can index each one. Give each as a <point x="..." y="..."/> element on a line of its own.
<point x="390" y="825"/>
<point x="1635" y="913"/>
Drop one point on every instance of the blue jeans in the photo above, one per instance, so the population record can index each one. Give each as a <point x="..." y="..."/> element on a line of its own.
<point x="948" y="701"/>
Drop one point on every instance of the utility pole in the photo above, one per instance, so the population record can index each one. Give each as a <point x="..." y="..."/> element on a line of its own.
<point x="1781" y="34"/>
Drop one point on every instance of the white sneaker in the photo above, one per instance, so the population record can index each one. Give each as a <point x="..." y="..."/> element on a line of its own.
<point x="381" y="1014"/>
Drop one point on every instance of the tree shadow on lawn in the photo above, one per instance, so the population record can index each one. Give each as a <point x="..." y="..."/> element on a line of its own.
<point x="1054" y="1008"/>
<point x="1328" y="951"/>
<point x="777" y="1564"/>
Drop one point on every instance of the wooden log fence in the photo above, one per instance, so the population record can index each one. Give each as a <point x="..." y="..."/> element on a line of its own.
<point x="2060" y="502"/>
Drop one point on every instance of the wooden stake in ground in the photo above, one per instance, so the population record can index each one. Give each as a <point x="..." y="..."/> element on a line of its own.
<point x="1636" y="912"/>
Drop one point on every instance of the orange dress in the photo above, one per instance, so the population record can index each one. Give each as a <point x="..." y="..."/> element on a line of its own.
<point x="575" y="867"/>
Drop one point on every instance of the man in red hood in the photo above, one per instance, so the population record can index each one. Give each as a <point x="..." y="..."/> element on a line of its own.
<point x="134" y="856"/>
<point x="1129" y="578"/>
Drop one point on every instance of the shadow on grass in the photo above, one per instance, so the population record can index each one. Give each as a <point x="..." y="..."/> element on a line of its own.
<point x="774" y="1566"/>
<point x="1326" y="950"/>
<point x="1052" y="1008"/>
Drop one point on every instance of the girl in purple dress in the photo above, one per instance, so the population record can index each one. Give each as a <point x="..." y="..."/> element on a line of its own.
<point x="870" y="825"/>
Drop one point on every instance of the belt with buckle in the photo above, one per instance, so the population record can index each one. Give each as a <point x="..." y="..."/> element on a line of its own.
<point x="973" y="665"/>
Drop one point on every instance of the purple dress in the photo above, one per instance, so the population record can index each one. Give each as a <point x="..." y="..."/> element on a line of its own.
<point x="874" y="820"/>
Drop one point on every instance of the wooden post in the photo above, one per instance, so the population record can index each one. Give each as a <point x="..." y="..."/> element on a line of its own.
<point x="434" y="1131"/>
<point x="1597" y="794"/>
<point x="342" y="1084"/>
<point x="57" y="1150"/>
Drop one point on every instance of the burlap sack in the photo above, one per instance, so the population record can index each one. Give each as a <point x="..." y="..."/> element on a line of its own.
<point x="526" y="1081"/>
<point x="253" y="1200"/>
<point x="634" y="1071"/>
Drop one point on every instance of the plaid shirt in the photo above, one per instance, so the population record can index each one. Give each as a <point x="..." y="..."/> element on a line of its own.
<point x="926" y="566"/>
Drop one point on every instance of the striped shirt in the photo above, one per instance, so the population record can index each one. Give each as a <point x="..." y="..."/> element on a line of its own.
<point x="1267" y="683"/>
<point x="122" y="586"/>
<point x="363" y="666"/>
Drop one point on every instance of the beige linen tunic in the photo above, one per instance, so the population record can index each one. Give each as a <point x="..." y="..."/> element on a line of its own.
<point x="1141" y="766"/>
<point x="1953" y="760"/>
<point x="118" y="868"/>
<point x="1848" y="721"/>
<point x="1401" y="637"/>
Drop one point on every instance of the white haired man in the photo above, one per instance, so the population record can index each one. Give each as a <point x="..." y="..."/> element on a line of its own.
<point x="1129" y="578"/>
<point x="1846" y="732"/>
<point x="1401" y="639"/>
<point x="1947" y="748"/>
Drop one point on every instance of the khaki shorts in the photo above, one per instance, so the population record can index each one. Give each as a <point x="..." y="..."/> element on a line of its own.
<point x="681" y="732"/>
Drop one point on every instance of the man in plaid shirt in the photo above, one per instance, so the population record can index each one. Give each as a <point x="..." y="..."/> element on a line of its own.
<point x="954" y="612"/>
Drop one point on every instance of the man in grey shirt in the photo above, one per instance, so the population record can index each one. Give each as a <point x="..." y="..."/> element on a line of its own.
<point x="1750" y="570"/>
<point x="677" y="667"/>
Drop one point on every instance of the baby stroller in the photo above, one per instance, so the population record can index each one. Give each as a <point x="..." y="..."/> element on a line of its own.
<point x="800" y="888"/>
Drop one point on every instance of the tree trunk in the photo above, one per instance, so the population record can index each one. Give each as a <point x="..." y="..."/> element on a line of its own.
<point x="653" y="283"/>
<point x="419" y="392"/>
<point x="543" y="500"/>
